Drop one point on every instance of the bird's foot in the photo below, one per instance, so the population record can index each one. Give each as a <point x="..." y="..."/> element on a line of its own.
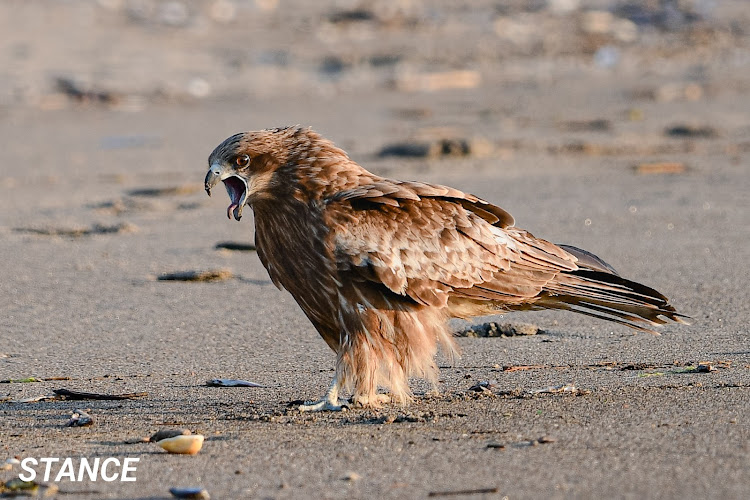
<point x="325" y="404"/>
<point x="330" y="401"/>
<point x="371" y="401"/>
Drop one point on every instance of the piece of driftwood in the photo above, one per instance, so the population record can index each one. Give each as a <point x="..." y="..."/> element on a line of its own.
<point x="67" y="393"/>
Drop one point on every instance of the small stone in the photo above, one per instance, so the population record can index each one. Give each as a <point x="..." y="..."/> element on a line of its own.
<point x="80" y="419"/>
<point x="691" y="131"/>
<point x="190" y="493"/>
<point x="168" y="433"/>
<point x="352" y="476"/>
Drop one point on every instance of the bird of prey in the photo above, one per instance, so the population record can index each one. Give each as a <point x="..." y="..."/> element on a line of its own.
<point x="379" y="265"/>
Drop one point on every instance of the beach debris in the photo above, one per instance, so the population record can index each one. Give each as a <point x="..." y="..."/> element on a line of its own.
<point x="182" y="444"/>
<point x="496" y="446"/>
<point x="483" y="387"/>
<point x="442" y="147"/>
<point x="36" y="399"/>
<point x="80" y="418"/>
<point x="9" y="463"/>
<point x="68" y="394"/>
<point x="19" y="487"/>
<point x="234" y="246"/>
<point x="593" y="125"/>
<point x="555" y="389"/>
<point x="451" y="493"/>
<point x="691" y="131"/>
<point x="518" y="368"/>
<point x="430" y="82"/>
<point x="493" y="329"/>
<point x="705" y="367"/>
<point x="663" y="167"/>
<point x="78" y="92"/>
<point x="535" y="442"/>
<point x="406" y="150"/>
<point x="196" y="493"/>
<point x="166" y="191"/>
<point x="26" y="380"/>
<point x="351" y="477"/>
<point x="77" y="232"/>
<point x="209" y="275"/>
<point x="230" y="382"/>
<point x="168" y="433"/>
<point x="349" y="16"/>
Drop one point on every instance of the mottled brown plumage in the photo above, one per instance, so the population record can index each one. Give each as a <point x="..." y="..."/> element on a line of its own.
<point x="380" y="265"/>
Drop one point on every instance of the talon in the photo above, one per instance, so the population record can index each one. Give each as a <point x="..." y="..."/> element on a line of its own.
<point x="329" y="402"/>
<point x="324" y="405"/>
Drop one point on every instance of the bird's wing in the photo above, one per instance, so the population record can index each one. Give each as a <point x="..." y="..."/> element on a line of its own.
<point x="431" y="242"/>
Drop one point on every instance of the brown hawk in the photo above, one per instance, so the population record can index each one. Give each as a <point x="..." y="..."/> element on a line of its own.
<point x="379" y="265"/>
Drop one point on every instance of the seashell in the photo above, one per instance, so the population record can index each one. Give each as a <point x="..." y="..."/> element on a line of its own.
<point x="183" y="444"/>
<point x="192" y="493"/>
<point x="168" y="433"/>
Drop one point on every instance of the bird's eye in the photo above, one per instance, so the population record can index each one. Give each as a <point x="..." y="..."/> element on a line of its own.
<point x="242" y="160"/>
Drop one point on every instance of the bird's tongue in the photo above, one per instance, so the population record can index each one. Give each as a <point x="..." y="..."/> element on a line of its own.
<point x="236" y="190"/>
<point x="234" y="209"/>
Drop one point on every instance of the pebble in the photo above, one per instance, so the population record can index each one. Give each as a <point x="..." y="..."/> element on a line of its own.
<point x="190" y="493"/>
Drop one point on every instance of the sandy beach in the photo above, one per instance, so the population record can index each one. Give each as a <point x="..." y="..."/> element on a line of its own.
<point x="618" y="127"/>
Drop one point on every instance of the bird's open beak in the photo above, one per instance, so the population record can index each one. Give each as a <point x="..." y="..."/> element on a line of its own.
<point x="236" y="188"/>
<point x="212" y="178"/>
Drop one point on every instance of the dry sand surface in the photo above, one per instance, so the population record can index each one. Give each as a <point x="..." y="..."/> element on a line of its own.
<point x="622" y="127"/>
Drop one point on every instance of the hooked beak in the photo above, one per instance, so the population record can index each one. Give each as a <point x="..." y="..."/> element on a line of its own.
<point x="212" y="178"/>
<point x="236" y="188"/>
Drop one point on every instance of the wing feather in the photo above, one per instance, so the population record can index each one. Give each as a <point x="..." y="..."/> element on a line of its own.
<point x="430" y="242"/>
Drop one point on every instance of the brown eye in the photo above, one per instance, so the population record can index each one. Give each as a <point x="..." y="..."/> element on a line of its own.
<point x="242" y="160"/>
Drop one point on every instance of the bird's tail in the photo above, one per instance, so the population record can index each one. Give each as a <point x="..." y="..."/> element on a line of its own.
<point x="602" y="294"/>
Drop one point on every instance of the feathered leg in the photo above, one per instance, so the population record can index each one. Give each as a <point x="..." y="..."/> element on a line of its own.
<point x="393" y="345"/>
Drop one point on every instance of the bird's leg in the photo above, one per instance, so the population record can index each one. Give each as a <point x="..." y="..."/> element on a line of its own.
<point x="371" y="401"/>
<point x="330" y="401"/>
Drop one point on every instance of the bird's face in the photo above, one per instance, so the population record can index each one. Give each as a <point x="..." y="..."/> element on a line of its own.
<point x="245" y="163"/>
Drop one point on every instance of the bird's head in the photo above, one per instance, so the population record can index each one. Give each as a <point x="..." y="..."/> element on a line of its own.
<point x="279" y="165"/>
<point x="247" y="164"/>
